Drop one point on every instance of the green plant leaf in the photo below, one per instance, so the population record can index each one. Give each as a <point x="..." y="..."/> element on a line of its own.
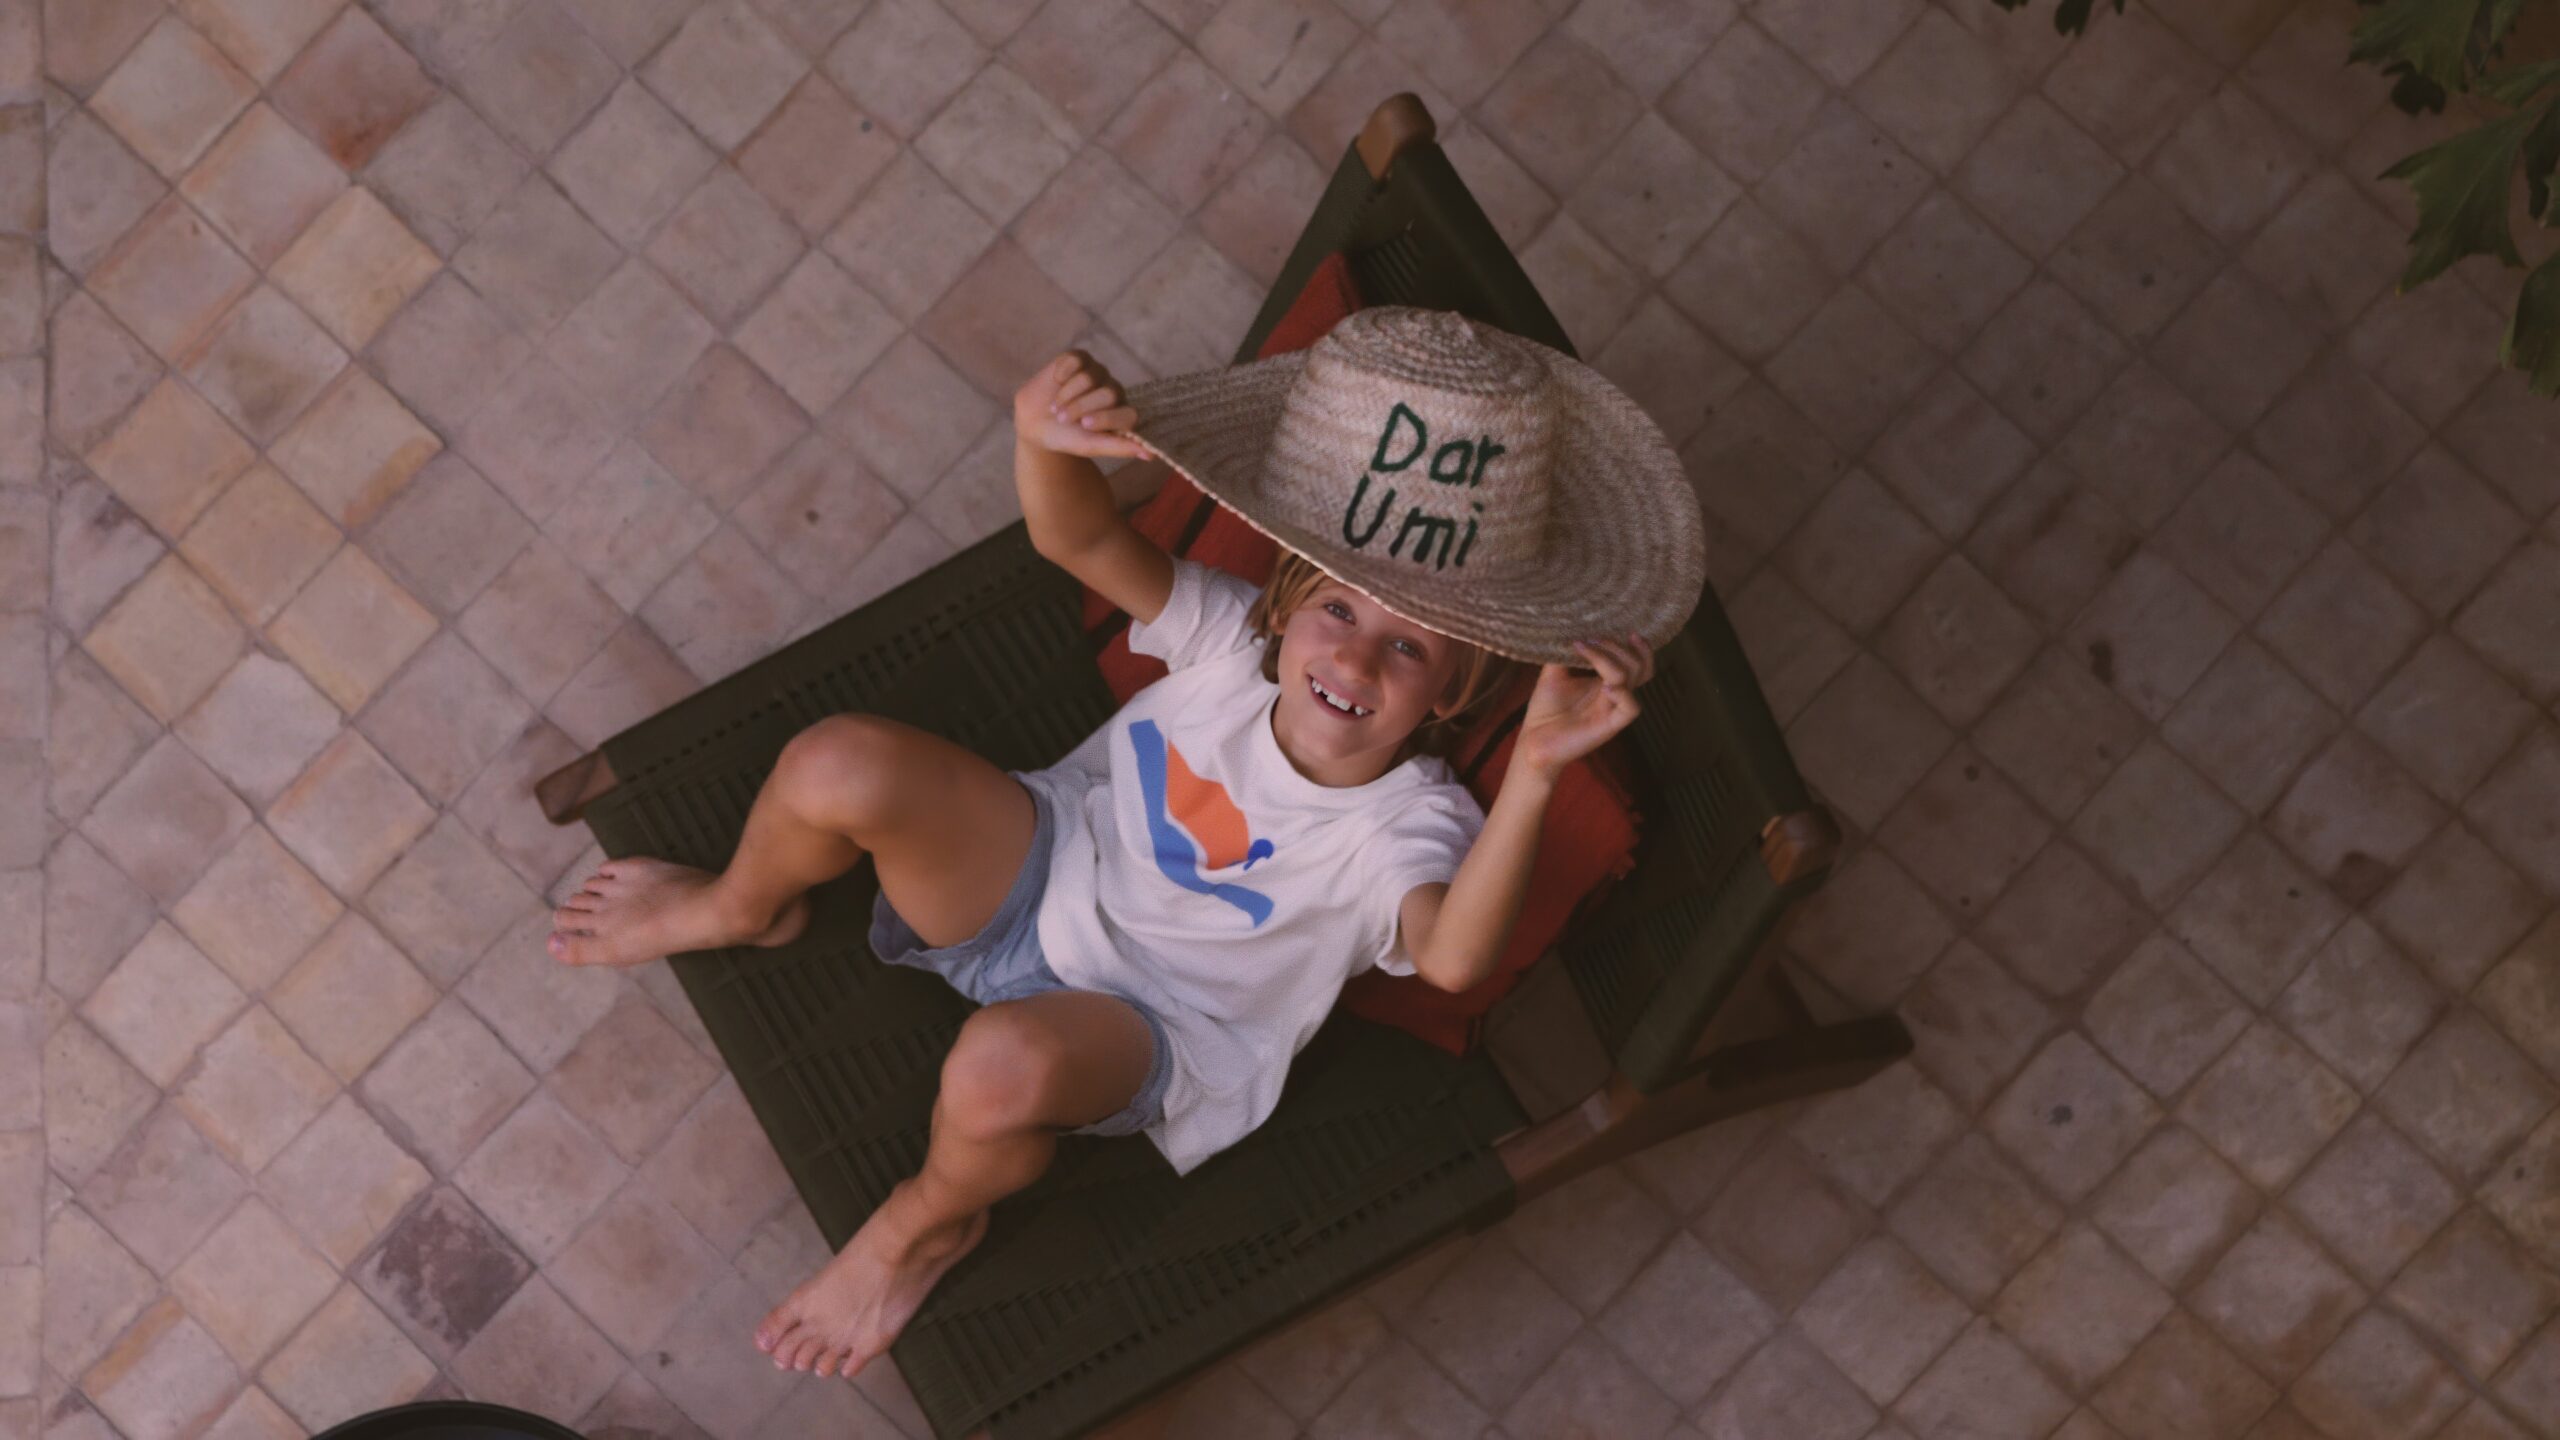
<point x="2432" y="37"/>
<point x="2541" y="151"/>
<point x="2532" y="343"/>
<point x="2461" y="186"/>
<point x="2520" y="85"/>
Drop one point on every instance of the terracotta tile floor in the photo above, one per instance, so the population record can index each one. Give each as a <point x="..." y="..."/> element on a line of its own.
<point x="409" y="394"/>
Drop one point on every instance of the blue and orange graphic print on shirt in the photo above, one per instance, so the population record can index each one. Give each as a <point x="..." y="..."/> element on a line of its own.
<point x="1192" y="823"/>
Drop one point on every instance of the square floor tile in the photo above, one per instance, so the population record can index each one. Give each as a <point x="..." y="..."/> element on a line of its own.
<point x="724" y="422"/>
<point x="1089" y="65"/>
<point x="631" y="163"/>
<point x="349" y="1359"/>
<point x="2080" y="1306"/>
<point x="354" y="448"/>
<point x="724" y="606"/>
<point x="2256" y="918"/>
<point x="355" y="267"/>
<point x="351" y="628"/>
<point x="2355" y="818"/>
<point x="350" y="997"/>
<point x="724" y="70"/>
<point x="162" y="1004"/>
<point x="2183" y="1382"/>
<point x="816" y="511"/>
<point x="2059" y="732"/>
<point x="2380" y="1378"/>
<point x="539" y="621"/>
<point x="2156" y="824"/>
<point x="252" y="1283"/>
<point x="1984" y="1384"/>
<point x="2372" y="1198"/>
<point x="814" y="155"/>
<point x="260" y="35"/>
<point x="1866" y="740"/>
<point x="262" y="182"/>
<point x="342" y="1181"/>
<point x="537" y="438"/>
<point x="264" y="362"/>
<point x="255" y="1091"/>
<point x="538" y="76"/>
<point x="255" y="910"/>
<point x="445" y="172"/>
<point x="349" y="815"/>
<point x="446" y="352"/>
<point x="445" y="1084"/>
<point x="447" y="534"/>
<point x="629" y="341"/>
<point x="724" y="246"/>
<point x="163" y="1190"/>
<point x="1841" y="932"/>
<point x="541" y="1174"/>
<point x="260" y="726"/>
<point x="173" y="93"/>
<point x="165" y="1377"/>
<point x="446" y="900"/>
<point x="536" y="257"/>
<point x="352" y="88"/>
<point x="632" y="1077"/>
<point x="2268" y="1105"/>
<point x="259" y="544"/>
<point x="168" y="640"/>
<point x="171" y="457"/>
<point x="2249" y="724"/>
<point x="635" y="1268"/>
<point x="2071" y="1117"/>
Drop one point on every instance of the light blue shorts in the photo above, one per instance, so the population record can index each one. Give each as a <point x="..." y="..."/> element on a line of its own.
<point x="1003" y="962"/>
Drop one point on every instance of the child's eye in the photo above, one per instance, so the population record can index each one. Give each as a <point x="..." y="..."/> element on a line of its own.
<point x="1411" y="650"/>
<point x="1337" y="610"/>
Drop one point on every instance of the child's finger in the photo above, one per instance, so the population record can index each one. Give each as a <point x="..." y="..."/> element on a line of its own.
<point x="1099" y="397"/>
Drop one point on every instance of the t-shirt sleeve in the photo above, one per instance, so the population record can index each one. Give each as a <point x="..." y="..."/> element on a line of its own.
<point x="1206" y="615"/>
<point x="1422" y="845"/>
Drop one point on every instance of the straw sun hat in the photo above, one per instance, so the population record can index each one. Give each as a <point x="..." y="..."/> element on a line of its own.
<point x="1482" y="485"/>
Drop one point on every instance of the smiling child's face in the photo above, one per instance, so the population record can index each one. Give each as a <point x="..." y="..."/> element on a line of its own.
<point x="1338" y="649"/>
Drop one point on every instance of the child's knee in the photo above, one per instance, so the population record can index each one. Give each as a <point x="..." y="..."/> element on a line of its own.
<point x="1004" y="1072"/>
<point x="840" y="771"/>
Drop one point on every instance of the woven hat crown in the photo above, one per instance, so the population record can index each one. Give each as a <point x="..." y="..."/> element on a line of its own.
<point x="1423" y="437"/>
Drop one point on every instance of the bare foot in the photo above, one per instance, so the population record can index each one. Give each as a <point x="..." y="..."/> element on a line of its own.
<point x="847" y="1314"/>
<point x="636" y="910"/>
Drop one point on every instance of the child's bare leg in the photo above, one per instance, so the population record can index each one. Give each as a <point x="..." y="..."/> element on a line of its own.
<point x="948" y="831"/>
<point x="1021" y="1071"/>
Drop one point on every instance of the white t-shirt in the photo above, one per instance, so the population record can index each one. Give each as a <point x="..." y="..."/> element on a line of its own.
<point x="1192" y="867"/>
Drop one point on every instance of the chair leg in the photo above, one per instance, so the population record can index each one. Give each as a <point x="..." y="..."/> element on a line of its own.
<point x="1618" y="1120"/>
<point x="565" y="793"/>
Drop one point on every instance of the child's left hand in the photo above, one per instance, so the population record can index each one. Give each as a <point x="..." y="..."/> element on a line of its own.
<point x="1569" y="714"/>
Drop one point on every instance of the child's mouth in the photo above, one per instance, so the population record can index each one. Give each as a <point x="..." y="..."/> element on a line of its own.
<point x="1333" y="704"/>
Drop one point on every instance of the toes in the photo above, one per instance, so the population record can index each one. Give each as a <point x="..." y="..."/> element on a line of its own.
<point x="573" y="948"/>
<point x="771" y="1329"/>
<point x="825" y="1369"/>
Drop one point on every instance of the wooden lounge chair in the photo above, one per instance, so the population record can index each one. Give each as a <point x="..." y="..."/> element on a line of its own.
<point x="1110" y="1280"/>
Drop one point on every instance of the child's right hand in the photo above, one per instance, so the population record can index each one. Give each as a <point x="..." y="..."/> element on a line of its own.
<point x="1072" y="406"/>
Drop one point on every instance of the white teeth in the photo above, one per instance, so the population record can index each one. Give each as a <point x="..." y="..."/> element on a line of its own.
<point x="1328" y="697"/>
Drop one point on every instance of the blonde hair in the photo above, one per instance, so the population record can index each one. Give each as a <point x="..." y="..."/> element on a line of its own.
<point x="1481" y="679"/>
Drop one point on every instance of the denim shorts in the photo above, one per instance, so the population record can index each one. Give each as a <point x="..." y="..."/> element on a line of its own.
<point x="1003" y="962"/>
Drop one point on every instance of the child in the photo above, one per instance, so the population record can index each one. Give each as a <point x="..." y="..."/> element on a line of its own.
<point x="1158" y="923"/>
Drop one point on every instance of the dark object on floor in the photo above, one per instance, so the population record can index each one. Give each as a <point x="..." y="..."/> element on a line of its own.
<point x="449" y="1420"/>
<point x="1109" y="1281"/>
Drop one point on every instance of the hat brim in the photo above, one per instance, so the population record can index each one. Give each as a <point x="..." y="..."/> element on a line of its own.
<point x="1625" y="543"/>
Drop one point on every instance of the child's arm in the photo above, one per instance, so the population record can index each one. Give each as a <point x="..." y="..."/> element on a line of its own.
<point x="1456" y="932"/>
<point x="1062" y="415"/>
